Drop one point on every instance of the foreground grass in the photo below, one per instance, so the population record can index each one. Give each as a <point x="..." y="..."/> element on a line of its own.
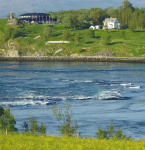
<point x="29" y="142"/>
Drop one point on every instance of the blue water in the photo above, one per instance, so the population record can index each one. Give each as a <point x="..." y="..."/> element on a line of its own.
<point x="98" y="93"/>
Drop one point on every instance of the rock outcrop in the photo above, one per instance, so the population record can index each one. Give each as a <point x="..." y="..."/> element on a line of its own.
<point x="12" y="49"/>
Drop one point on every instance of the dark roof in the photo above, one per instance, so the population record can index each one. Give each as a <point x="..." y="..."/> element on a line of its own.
<point x="29" y="14"/>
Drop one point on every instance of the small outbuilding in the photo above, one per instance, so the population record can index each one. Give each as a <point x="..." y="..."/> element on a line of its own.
<point x="111" y="23"/>
<point x="95" y="27"/>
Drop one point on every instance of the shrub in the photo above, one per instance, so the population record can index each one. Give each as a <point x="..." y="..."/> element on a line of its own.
<point x="111" y="134"/>
<point x="105" y="39"/>
<point x="76" y="38"/>
<point x="47" y="31"/>
<point x="67" y="126"/>
<point x="66" y="34"/>
<point x="32" y="127"/>
<point x="91" y="33"/>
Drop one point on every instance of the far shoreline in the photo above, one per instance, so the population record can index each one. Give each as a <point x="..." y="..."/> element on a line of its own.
<point x="76" y="59"/>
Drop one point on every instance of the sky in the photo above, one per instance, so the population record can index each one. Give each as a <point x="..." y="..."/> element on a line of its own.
<point x="41" y="6"/>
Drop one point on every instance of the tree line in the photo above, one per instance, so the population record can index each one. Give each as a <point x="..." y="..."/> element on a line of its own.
<point x="127" y="14"/>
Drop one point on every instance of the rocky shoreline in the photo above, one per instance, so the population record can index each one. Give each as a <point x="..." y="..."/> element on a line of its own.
<point x="76" y="59"/>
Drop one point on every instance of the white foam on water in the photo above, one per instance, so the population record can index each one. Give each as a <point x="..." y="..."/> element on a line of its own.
<point x="97" y="83"/>
<point x="65" y="80"/>
<point x="88" y="81"/>
<point x="126" y="84"/>
<point x="109" y="94"/>
<point x="24" y="102"/>
<point x="134" y="87"/>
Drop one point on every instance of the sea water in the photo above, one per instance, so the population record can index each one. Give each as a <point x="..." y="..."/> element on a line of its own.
<point x="98" y="93"/>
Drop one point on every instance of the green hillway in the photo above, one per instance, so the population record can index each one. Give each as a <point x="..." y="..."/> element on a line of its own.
<point x="122" y="43"/>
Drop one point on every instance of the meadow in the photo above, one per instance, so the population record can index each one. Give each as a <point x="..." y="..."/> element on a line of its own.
<point x="124" y="43"/>
<point x="31" y="142"/>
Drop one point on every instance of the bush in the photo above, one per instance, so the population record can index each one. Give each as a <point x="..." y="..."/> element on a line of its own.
<point x="91" y="33"/>
<point x="47" y="31"/>
<point x="76" y="38"/>
<point x="66" y="34"/>
<point x="67" y="126"/>
<point x="111" y="134"/>
<point x="33" y="127"/>
<point x="105" y="39"/>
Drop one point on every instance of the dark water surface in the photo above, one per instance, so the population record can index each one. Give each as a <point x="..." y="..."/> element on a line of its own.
<point x="98" y="93"/>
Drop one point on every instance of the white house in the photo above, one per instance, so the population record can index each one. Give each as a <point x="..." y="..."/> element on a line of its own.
<point x="111" y="23"/>
<point x="95" y="27"/>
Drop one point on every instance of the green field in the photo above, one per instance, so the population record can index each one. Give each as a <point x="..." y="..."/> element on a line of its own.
<point x="129" y="44"/>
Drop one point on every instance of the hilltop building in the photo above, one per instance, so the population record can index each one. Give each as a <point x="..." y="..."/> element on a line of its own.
<point x="36" y="17"/>
<point x="111" y="23"/>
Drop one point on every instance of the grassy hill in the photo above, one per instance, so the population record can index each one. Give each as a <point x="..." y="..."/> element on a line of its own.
<point x="124" y="43"/>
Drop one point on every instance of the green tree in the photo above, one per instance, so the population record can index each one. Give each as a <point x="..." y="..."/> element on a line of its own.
<point x="74" y="20"/>
<point x="91" y="33"/>
<point x="83" y="17"/>
<point x="105" y="39"/>
<point x="67" y="126"/>
<point x="33" y="127"/>
<point x="71" y="20"/>
<point x="132" y="26"/>
<point x="97" y="16"/>
<point x="126" y="4"/>
<point x="66" y="34"/>
<point x="7" y="120"/>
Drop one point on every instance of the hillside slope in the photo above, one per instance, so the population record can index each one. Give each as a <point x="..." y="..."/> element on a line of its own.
<point x="31" y="41"/>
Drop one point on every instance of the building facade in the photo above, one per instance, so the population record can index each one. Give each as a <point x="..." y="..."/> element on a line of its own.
<point x="111" y="23"/>
<point x="36" y="17"/>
